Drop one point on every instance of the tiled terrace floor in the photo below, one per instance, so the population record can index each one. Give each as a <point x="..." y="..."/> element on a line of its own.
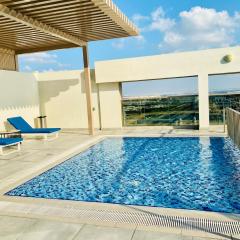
<point x="36" y="155"/>
<point x="17" y="228"/>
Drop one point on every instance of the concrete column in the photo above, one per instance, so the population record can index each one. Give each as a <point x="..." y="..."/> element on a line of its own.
<point x="110" y="105"/>
<point x="203" y="97"/>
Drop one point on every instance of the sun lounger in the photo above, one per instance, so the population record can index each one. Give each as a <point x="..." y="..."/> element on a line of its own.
<point x="9" y="142"/>
<point x="20" y="124"/>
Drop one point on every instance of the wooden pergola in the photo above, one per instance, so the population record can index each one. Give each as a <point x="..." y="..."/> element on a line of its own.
<point x="28" y="26"/>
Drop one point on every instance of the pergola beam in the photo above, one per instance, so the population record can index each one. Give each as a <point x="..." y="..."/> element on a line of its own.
<point x="47" y="48"/>
<point x="37" y="25"/>
<point x="111" y="10"/>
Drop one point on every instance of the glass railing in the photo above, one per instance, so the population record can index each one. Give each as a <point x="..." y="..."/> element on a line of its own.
<point x="217" y="103"/>
<point x="175" y="110"/>
<point x="165" y="111"/>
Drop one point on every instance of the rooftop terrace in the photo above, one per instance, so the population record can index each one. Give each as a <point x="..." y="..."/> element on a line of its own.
<point x="39" y="219"/>
<point x="87" y="105"/>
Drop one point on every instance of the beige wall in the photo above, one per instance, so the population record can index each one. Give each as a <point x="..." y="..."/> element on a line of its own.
<point x="62" y="94"/>
<point x="110" y="105"/>
<point x="197" y="63"/>
<point x="18" y="96"/>
<point x="168" y="65"/>
<point x="63" y="99"/>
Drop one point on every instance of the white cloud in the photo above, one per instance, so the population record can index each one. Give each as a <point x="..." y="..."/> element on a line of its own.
<point x="119" y="44"/>
<point x="123" y="42"/>
<point x="27" y="68"/>
<point x="159" y="21"/>
<point x="199" y="18"/>
<point x="198" y="28"/>
<point x="43" y="59"/>
<point x="40" y="58"/>
<point x="139" y="40"/>
<point x="173" y="38"/>
<point x="138" y="18"/>
<point x="158" y="13"/>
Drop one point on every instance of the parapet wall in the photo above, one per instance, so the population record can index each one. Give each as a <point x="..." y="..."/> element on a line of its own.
<point x="63" y="99"/>
<point x="18" y="97"/>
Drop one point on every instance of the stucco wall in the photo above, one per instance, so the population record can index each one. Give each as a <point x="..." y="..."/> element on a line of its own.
<point x="174" y="65"/>
<point x="61" y="95"/>
<point x="110" y="105"/>
<point x="18" y="96"/>
<point x="63" y="99"/>
<point x="168" y="65"/>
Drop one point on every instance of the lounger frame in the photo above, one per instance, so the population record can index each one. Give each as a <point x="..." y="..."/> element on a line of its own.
<point x="18" y="144"/>
<point x="45" y="136"/>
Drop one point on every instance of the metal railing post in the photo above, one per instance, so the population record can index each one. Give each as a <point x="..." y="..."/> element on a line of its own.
<point x="224" y="120"/>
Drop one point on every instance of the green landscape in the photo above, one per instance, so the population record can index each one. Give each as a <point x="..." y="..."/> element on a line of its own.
<point x="175" y="110"/>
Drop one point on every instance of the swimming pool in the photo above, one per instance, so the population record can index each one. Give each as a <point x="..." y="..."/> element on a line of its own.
<point x="176" y="172"/>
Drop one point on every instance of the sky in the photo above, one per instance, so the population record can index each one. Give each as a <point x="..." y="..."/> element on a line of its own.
<point x="185" y="86"/>
<point x="165" y="26"/>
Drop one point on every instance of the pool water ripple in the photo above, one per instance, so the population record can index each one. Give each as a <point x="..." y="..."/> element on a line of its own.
<point x="181" y="172"/>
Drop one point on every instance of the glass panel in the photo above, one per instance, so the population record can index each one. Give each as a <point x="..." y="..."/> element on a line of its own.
<point x="175" y="110"/>
<point x="171" y="102"/>
<point x="178" y="103"/>
<point x="224" y="92"/>
<point x="219" y="102"/>
<point x="167" y="111"/>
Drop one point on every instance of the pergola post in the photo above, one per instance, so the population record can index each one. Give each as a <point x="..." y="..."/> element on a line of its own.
<point x="16" y="62"/>
<point x="88" y="89"/>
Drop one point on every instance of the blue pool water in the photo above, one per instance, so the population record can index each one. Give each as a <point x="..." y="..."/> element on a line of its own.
<point x="187" y="173"/>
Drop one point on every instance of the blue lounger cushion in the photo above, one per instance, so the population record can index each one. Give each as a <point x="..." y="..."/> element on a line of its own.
<point x="9" y="141"/>
<point x="20" y="124"/>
